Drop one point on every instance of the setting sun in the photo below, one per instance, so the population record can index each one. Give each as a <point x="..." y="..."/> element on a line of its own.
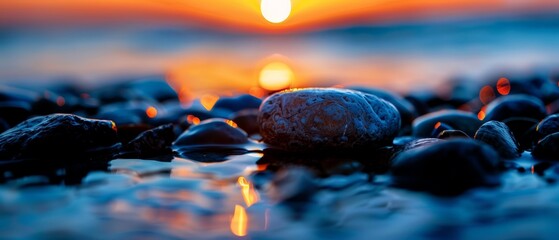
<point x="275" y="76"/>
<point x="275" y="11"/>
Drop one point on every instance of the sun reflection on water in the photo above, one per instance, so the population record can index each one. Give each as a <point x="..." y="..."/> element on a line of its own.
<point x="249" y="194"/>
<point x="239" y="223"/>
<point x="276" y="76"/>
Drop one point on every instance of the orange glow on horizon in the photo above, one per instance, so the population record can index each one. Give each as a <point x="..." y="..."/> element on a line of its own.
<point x="151" y="112"/>
<point x="239" y="222"/>
<point x="245" y="15"/>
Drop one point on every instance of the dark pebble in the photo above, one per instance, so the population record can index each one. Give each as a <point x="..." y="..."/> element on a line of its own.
<point x="238" y="103"/>
<point x="153" y="142"/>
<point x="459" y="120"/>
<point x="547" y="148"/>
<point x="153" y="88"/>
<point x="548" y="126"/>
<point x="14" y="112"/>
<point x="497" y="135"/>
<point x="515" y="106"/>
<point x="446" y="168"/>
<point x="57" y="136"/>
<point x="448" y="134"/>
<point x="247" y="120"/>
<point x="524" y="131"/>
<point x="214" y="131"/>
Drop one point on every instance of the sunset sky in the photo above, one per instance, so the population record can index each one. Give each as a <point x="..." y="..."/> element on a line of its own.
<point x="245" y="15"/>
<point x="219" y="46"/>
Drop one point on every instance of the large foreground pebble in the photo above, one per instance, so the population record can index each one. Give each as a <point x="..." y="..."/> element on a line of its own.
<point x="327" y="118"/>
<point x="446" y="168"/>
<point x="56" y="136"/>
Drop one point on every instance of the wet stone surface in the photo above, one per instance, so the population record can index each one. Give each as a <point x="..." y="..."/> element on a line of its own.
<point x="327" y="119"/>
<point x="497" y="135"/>
<point x="171" y="171"/>
<point x="57" y="136"/>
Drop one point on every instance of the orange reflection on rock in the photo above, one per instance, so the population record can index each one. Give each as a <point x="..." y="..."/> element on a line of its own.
<point x="262" y="167"/>
<point x="193" y="119"/>
<point x="486" y="94"/>
<point x="503" y="86"/>
<point x="249" y="194"/>
<point x="231" y="123"/>
<point x="151" y="112"/>
<point x="208" y="101"/>
<point x="239" y="223"/>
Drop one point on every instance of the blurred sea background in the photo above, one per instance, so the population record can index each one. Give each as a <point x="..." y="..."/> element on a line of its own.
<point x="400" y="52"/>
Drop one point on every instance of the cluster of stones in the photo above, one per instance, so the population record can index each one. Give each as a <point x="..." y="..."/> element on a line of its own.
<point x="442" y="145"/>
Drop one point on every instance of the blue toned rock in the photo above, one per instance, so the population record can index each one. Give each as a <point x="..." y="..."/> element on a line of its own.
<point x="448" y="167"/>
<point x="458" y="120"/>
<point x="515" y="106"/>
<point x="498" y="135"/>
<point x="215" y="131"/>
<point x="57" y="136"/>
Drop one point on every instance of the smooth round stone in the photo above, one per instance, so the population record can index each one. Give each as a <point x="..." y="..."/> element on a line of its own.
<point x="238" y="103"/>
<point x="327" y="119"/>
<point x="548" y="125"/>
<point x="153" y="142"/>
<point x="547" y="148"/>
<point x="439" y="128"/>
<point x="446" y="168"/>
<point x="515" y="106"/>
<point x="125" y="113"/>
<point x="524" y="131"/>
<point x="498" y="135"/>
<point x="420" y="142"/>
<point x="56" y="136"/>
<point x="215" y="131"/>
<point x="247" y="120"/>
<point x="154" y="88"/>
<point x="405" y="108"/>
<point x="459" y="120"/>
